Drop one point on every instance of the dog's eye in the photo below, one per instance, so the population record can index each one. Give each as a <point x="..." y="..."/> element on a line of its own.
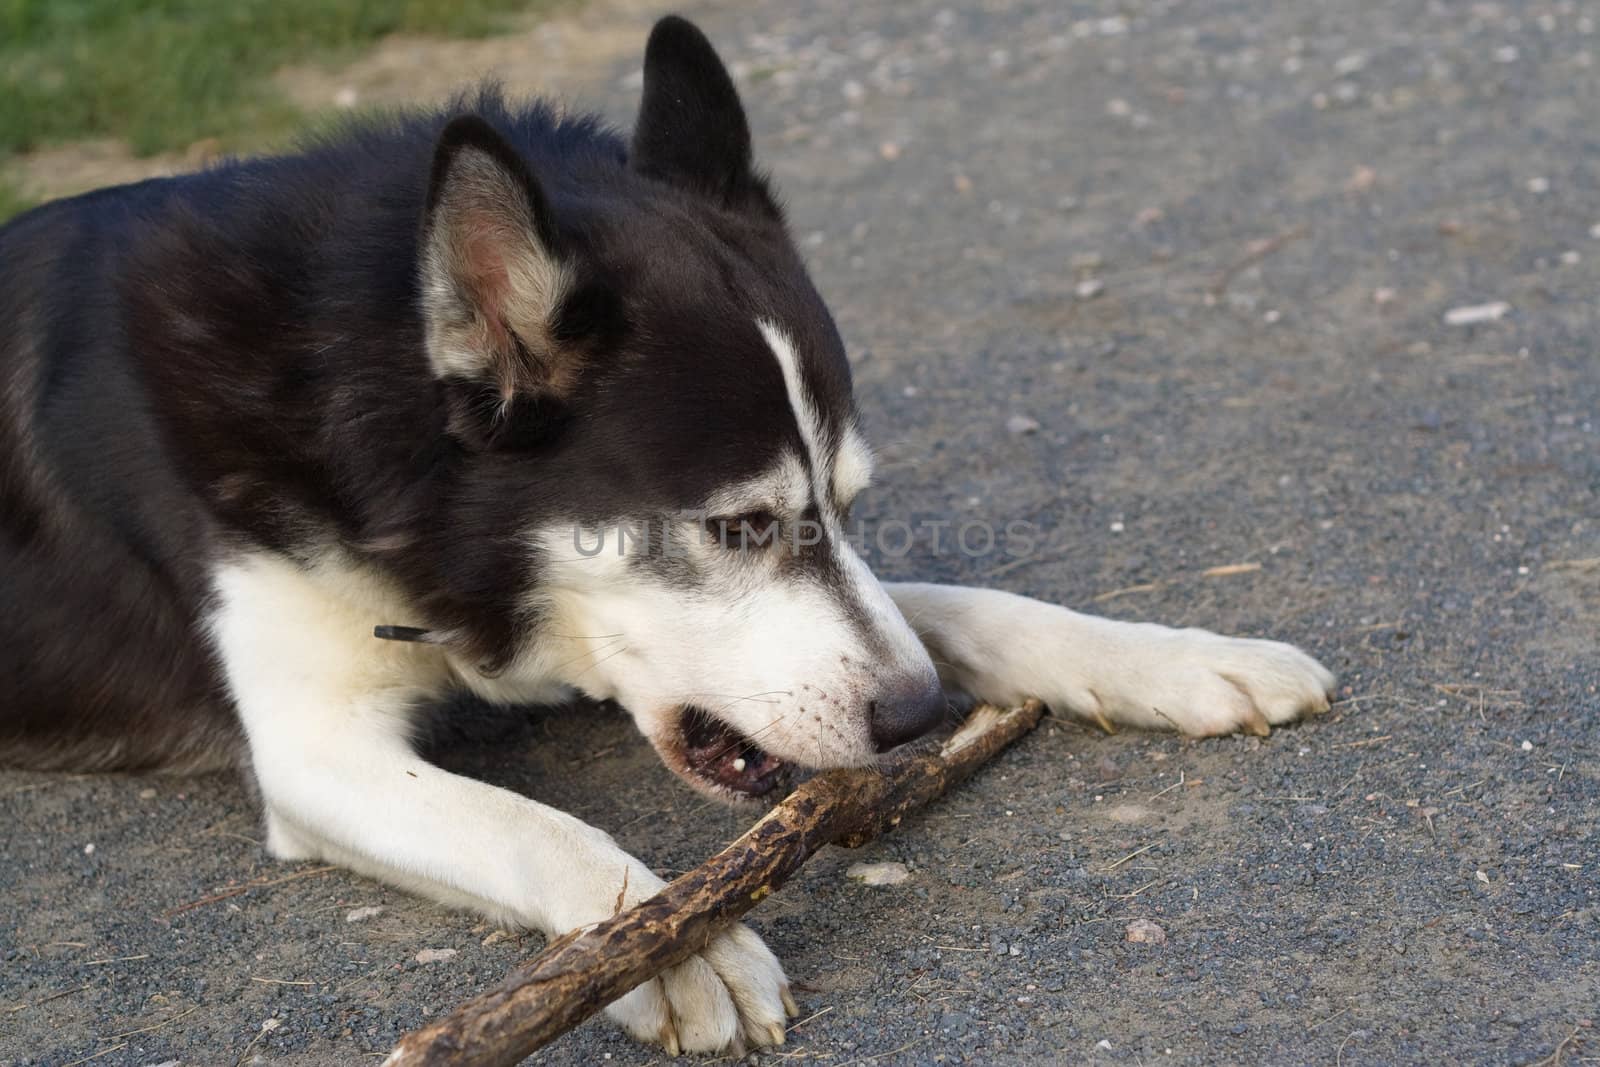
<point x="742" y="533"/>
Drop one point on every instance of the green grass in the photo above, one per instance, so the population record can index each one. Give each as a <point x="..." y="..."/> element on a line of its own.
<point x="162" y="74"/>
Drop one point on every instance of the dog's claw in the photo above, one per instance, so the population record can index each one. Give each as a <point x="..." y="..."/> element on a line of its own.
<point x="789" y="1005"/>
<point x="1103" y="722"/>
<point x="1253" y="722"/>
<point x="669" y="1039"/>
<point x="775" y="1034"/>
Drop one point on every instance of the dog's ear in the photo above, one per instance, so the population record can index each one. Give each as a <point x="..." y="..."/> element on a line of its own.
<point x="493" y="284"/>
<point x="692" y="130"/>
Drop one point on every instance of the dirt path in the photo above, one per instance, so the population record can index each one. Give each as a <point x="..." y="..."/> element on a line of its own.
<point x="1212" y="251"/>
<point x="573" y="55"/>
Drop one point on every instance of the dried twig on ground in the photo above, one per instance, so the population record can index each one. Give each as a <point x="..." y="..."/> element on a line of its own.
<point x="577" y="975"/>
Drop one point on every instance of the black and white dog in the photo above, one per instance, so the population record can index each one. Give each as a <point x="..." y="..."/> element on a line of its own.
<point x="248" y="415"/>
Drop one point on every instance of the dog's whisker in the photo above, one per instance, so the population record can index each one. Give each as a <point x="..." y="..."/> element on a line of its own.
<point x="597" y="662"/>
<point x="567" y="663"/>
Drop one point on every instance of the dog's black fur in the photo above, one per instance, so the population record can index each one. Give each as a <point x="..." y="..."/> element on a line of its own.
<point x="234" y="360"/>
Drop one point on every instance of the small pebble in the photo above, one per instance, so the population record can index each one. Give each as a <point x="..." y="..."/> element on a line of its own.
<point x="435" y="955"/>
<point x="1538" y="186"/>
<point x="1527" y="746"/>
<point x="1021" y="424"/>
<point x="1090" y="288"/>
<point x="1145" y="932"/>
<point x="739" y="764"/>
<point x="1472" y="314"/>
<point x="355" y="915"/>
<point x="1361" y="180"/>
<point x="878" y="873"/>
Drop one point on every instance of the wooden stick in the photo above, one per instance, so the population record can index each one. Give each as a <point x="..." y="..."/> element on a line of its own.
<point x="580" y="973"/>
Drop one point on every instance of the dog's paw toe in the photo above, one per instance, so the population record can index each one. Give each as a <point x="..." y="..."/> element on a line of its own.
<point x="731" y="997"/>
<point x="1206" y="685"/>
<point x="1239" y="685"/>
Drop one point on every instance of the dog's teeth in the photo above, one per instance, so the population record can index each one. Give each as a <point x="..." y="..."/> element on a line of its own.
<point x="738" y="764"/>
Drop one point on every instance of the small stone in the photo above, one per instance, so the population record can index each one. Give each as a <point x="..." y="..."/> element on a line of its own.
<point x="435" y="955"/>
<point x="1361" y="180"/>
<point x="1145" y="932"/>
<point x="1594" y="231"/>
<point x="739" y="764"/>
<point x="1118" y="526"/>
<point x="1383" y="296"/>
<point x="1538" y="186"/>
<point x="1089" y="288"/>
<point x="889" y="151"/>
<point x="1472" y="314"/>
<point x="1103" y="1045"/>
<point x="1506" y="53"/>
<point x="1021" y="424"/>
<point x="88" y="850"/>
<point x="147" y="794"/>
<point x="355" y="915"/>
<point x="887" y="873"/>
<point x="1571" y="258"/>
<point x="1527" y="746"/>
<point x="346" y="97"/>
<point x="962" y="183"/>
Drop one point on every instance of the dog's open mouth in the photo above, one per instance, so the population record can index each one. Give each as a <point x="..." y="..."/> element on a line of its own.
<point x="724" y="760"/>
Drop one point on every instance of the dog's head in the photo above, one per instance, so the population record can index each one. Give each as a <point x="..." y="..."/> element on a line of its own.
<point x="634" y="360"/>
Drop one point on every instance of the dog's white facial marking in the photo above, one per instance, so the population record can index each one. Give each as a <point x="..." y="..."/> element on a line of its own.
<point x="852" y="467"/>
<point x="805" y="412"/>
<point x="784" y="490"/>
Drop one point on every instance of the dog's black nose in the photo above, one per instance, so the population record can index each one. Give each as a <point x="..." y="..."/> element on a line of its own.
<point x="908" y="709"/>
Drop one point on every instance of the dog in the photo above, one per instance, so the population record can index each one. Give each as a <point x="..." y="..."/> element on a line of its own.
<point x="543" y="402"/>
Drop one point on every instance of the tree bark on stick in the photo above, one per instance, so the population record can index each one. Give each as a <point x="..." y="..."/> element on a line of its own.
<point x="580" y="973"/>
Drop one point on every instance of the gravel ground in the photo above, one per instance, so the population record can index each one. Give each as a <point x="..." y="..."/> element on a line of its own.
<point x="1211" y="251"/>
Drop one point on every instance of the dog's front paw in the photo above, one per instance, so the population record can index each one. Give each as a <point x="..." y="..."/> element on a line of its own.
<point x="1203" y="684"/>
<point x="730" y="997"/>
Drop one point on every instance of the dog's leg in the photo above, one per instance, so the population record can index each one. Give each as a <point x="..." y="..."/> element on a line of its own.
<point x="326" y="709"/>
<point x="1002" y="647"/>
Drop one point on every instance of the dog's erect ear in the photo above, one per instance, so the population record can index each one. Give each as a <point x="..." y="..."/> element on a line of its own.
<point x="692" y="131"/>
<point x="493" y="280"/>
